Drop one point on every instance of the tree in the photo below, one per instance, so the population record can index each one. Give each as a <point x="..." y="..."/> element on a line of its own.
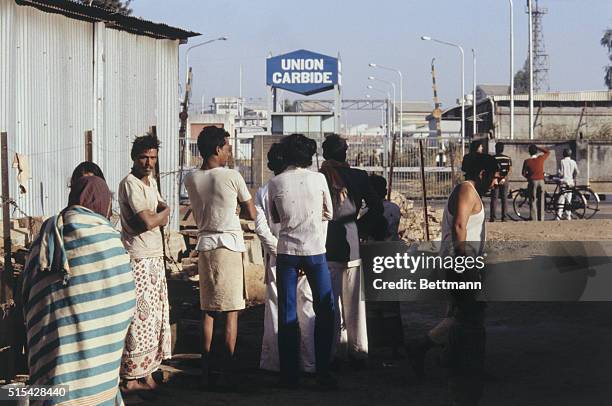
<point x="118" y="6"/>
<point x="521" y="80"/>
<point x="606" y="41"/>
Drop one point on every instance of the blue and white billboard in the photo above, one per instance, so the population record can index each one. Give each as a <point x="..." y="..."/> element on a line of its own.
<point x="302" y="72"/>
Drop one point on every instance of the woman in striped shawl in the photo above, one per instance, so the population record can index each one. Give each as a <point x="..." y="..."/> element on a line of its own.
<point x="79" y="299"/>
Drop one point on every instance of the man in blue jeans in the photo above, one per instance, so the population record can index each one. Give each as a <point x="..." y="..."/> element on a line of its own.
<point x="300" y="202"/>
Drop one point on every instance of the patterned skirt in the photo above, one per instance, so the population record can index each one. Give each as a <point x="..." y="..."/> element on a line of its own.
<point x="148" y="340"/>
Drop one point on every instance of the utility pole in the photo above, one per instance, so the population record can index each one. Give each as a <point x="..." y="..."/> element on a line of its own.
<point x="530" y="12"/>
<point x="437" y="113"/>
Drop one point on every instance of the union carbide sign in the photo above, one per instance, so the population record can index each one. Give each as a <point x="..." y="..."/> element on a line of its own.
<point x="302" y="72"/>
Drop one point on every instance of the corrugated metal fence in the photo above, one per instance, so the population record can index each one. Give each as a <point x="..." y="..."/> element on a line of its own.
<point x="61" y="77"/>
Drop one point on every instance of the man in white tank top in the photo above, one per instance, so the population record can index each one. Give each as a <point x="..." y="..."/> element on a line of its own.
<point x="463" y="234"/>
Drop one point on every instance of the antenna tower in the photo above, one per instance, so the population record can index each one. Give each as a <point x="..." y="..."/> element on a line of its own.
<point x="540" y="57"/>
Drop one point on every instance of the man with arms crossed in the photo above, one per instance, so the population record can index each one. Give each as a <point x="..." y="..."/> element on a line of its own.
<point x="142" y="213"/>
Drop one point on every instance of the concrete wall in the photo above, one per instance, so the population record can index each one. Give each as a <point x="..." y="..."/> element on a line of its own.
<point x="594" y="159"/>
<point x="261" y="145"/>
<point x="555" y="122"/>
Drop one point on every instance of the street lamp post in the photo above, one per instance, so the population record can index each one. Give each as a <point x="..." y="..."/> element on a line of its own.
<point x="474" y="125"/>
<point x="183" y="132"/>
<point x="401" y="91"/>
<point x="196" y="46"/>
<point x="388" y="98"/>
<point x="511" y="70"/>
<point x="394" y="97"/>
<point x="426" y="38"/>
<point x="530" y="10"/>
<point x="388" y="132"/>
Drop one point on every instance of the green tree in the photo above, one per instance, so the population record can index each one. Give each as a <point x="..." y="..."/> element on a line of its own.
<point x="521" y="79"/>
<point x="118" y="6"/>
<point x="606" y="41"/>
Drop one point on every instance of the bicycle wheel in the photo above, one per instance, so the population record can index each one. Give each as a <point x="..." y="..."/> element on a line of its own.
<point x="578" y="204"/>
<point x="592" y="202"/>
<point x="520" y="204"/>
<point x="551" y="206"/>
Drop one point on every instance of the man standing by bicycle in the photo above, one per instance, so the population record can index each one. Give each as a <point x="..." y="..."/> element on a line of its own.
<point x="568" y="170"/>
<point x="533" y="171"/>
<point x="504" y="163"/>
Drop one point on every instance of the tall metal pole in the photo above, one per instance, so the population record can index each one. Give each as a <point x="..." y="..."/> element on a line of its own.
<point x="401" y="84"/>
<point x="474" y="125"/>
<point x="427" y="38"/>
<point x="6" y="278"/>
<point x="511" y="70"/>
<point x="424" y="187"/>
<point x="529" y="5"/>
<point x="401" y="109"/>
<point x="462" y="97"/>
<point x="394" y="98"/>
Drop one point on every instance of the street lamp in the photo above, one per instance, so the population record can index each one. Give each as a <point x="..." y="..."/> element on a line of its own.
<point x="186" y="102"/>
<point x="530" y="11"/>
<point x="426" y="38"/>
<point x="401" y="84"/>
<point x="388" y="82"/>
<point x="511" y="70"/>
<point x="195" y="46"/>
<point x="384" y="92"/>
<point x="474" y="92"/>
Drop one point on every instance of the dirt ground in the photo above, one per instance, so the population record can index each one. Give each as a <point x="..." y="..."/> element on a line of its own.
<point x="576" y="230"/>
<point x="537" y="353"/>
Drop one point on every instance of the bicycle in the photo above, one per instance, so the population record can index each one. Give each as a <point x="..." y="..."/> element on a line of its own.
<point x="577" y="204"/>
<point x="592" y="200"/>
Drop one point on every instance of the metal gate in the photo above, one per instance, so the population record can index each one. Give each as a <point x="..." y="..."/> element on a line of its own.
<point x="442" y="161"/>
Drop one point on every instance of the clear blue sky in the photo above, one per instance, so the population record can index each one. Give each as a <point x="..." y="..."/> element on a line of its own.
<point x="388" y="33"/>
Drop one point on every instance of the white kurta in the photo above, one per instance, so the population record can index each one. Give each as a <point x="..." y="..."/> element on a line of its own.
<point x="268" y="233"/>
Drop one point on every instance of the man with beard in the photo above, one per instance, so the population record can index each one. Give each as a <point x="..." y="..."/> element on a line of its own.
<point x="143" y="211"/>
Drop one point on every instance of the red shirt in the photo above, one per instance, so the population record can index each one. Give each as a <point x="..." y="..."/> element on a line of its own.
<point x="533" y="168"/>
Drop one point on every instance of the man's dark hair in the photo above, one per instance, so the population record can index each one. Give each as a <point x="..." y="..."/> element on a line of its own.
<point x="144" y="143"/>
<point x="379" y="184"/>
<point x="209" y="139"/>
<point x="474" y="145"/>
<point x="334" y="147"/>
<point x="298" y="150"/>
<point x="533" y="149"/>
<point x="483" y="162"/>
<point x="276" y="158"/>
<point x="567" y="152"/>
<point x="499" y="147"/>
<point x="83" y="168"/>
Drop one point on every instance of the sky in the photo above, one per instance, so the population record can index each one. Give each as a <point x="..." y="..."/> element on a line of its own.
<point x="387" y="33"/>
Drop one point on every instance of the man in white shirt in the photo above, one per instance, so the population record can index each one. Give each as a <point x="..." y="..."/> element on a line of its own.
<point x="568" y="170"/>
<point x="268" y="234"/>
<point x="300" y="202"/>
<point x="214" y="192"/>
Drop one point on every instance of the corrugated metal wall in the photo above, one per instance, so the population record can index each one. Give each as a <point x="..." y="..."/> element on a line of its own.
<point x="61" y="77"/>
<point x="140" y="91"/>
<point x="48" y="108"/>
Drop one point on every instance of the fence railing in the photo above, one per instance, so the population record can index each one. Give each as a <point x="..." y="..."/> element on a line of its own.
<point x="372" y="153"/>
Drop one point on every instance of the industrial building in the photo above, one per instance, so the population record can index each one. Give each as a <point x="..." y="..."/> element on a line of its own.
<point x="557" y="115"/>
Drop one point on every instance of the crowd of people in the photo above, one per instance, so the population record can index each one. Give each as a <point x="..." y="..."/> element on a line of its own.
<point x="96" y="300"/>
